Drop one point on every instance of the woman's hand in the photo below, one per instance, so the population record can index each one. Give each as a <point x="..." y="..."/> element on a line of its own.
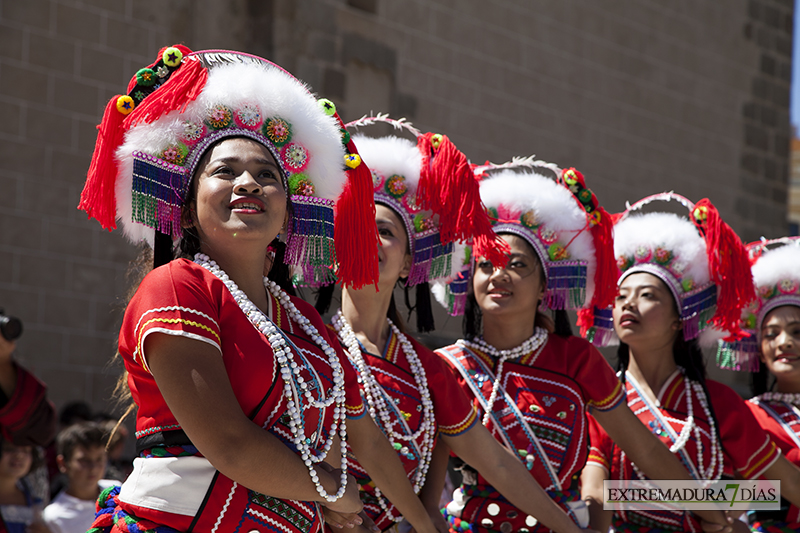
<point x="341" y="521"/>
<point x="350" y="502"/>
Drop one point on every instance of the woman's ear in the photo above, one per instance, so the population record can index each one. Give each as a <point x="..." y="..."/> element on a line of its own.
<point x="407" y="262"/>
<point x="188" y="217"/>
<point x="677" y="324"/>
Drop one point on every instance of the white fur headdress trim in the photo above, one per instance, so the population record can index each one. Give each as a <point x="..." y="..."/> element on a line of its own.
<point x="277" y="94"/>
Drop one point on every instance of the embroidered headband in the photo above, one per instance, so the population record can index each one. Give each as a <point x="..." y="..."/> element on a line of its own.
<point x="152" y="139"/>
<point x="776" y="277"/>
<point x="561" y="220"/>
<point x="700" y="259"/>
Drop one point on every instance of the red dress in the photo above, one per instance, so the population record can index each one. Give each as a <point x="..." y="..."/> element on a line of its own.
<point x="746" y="449"/>
<point x="172" y="485"/>
<point x="454" y="413"/>
<point x="551" y="393"/>
<point x="782" y="421"/>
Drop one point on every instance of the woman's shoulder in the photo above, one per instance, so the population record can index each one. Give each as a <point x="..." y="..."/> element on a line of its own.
<point x="572" y="345"/>
<point x="723" y="397"/>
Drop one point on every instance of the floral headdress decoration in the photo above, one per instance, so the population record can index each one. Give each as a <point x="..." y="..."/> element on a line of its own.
<point x="699" y="258"/>
<point x="776" y="277"/>
<point x="562" y="221"/>
<point x="151" y="140"/>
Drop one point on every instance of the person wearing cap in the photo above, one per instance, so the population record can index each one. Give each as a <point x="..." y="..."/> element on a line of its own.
<point x="532" y="381"/>
<point x="409" y="391"/>
<point x="770" y="349"/>
<point x="683" y="280"/>
<point x="244" y="406"/>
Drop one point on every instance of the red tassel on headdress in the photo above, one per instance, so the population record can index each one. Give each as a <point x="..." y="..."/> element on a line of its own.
<point x="446" y="174"/>
<point x="607" y="273"/>
<point x="98" y="198"/>
<point x="355" y="234"/>
<point x="182" y="88"/>
<point x="728" y="264"/>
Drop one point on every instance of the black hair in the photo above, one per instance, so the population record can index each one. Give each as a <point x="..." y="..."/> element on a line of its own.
<point x="759" y="380"/>
<point x="85" y="434"/>
<point x="422" y="305"/>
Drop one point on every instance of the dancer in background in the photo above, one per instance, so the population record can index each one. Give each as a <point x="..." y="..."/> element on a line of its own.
<point x="532" y="381"/>
<point x="244" y="405"/>
<point x="771" y="349"/>
<point x="678" y="276"/>
<point x="408" y="390"/>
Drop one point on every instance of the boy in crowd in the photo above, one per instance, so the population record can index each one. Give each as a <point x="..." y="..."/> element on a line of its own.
<point x="82" y="458"/>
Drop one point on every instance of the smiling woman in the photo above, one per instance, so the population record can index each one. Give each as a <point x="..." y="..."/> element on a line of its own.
<point x="228" y="163"/>
<point x="772" y="326"/>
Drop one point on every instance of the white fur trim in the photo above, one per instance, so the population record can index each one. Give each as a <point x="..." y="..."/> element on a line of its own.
<point x="776" y="265"/>
<point x="669" y="231"/>
<point x="277" y="94"/>
<point x="555" y="207"/>
<point x="391" y="155"/>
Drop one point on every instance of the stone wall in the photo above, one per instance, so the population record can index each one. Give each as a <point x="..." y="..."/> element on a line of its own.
<point x="641" y="95"/>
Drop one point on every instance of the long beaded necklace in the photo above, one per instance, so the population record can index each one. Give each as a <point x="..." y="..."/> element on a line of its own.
<point x="533" y="343"/>
<point x="295" y="389"/>
<point x="716" y="464"/>
<point x="376" y="401"/>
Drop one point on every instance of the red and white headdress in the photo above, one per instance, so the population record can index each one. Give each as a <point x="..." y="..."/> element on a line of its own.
<point x="561" y="220"/>
<point x="699" y="257"/>
<point x="152" y="139"/>
<point x="776" y="276"/>
<point x="430" y="185"/>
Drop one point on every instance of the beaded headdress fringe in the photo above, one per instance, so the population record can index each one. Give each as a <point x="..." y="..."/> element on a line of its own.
<point x="739" y="354"/>
<point x="310" y="241"/>
<point x="432" y="259"/>
<point x="566" y="286"/>
<point x="158" y="192"/>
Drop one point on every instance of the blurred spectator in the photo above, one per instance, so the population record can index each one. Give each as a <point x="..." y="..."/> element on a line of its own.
<point x="82" y="458"/>
<point x="20" y="510"/>
<point x="27" y="418"/>
<point x="73" y="413"/>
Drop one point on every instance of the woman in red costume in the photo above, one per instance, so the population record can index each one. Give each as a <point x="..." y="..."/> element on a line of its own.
<point x="531" y="380"/>
<point x="771" y="349"/>
<point x="410" y="392"/>
<point x="244" y="406"/>
<point x="672" y="286"/>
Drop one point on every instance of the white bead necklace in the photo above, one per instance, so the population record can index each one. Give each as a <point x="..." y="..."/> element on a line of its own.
<point x="792" y="398"/>
<point x="376" y="401"/>
<point x="715" y="467"/>
<point x="295" y="388"/>
<point x="533" y="343"/>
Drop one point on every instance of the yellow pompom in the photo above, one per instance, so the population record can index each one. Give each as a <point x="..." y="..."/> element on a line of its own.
<point x="700" y="214"/>
<point x="436" y="140"/>
<point x="352" y="160"/>
<point x="125" y="104"/>
<point x="172" y="56"/>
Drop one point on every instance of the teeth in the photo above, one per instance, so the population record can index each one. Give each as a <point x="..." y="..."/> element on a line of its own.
<point x="247" y="206"/>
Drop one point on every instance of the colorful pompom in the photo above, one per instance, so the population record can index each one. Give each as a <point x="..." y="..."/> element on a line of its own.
<point x="547" y="235"/>
<point x="327" y="106"/>
<point x="557" y="252"/>
<point x="529" y="220"/>
<point x="125" y="104"/>
<point x="172" y="56"/>
<point x="662" y="256"/>
<point x="146" y="77"/>
<point x="436" y="140"/>
<point x="352" y="160"/>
